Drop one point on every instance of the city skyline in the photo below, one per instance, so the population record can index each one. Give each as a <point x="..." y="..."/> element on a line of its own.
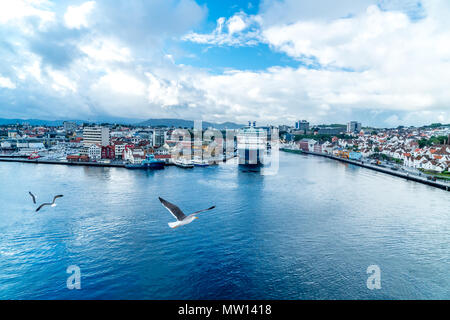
<point x="184" y="123"/>
<point x="380" y="62"/>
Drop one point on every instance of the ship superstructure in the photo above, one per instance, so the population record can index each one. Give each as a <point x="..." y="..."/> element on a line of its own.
<point x="251" y="145"/>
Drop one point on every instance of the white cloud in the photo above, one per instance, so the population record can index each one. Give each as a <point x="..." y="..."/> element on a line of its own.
<point x="162" y="92"/>
<point x="106" y="50"/>
<point x="375" y="59"/>
<point x="275" y="12"/>
<point x="239" y="30"/>
<point x="61" y="82"/>
<point x="364" y="41"/>
<point x="77" y="17"/>
<point x="236" y="24"/>
<point x="375" y="63"/>
<point x="30" y="68"/>
<point x="6" y="83"/>
<point x="15" y="12"/>
<point x="122" y="83"/>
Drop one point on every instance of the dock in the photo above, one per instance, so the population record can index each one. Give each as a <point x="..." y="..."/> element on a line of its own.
<point x="67" y="163"/>
<point x="406" y="176"/>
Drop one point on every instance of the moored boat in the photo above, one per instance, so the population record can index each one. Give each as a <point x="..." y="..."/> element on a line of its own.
<point x="151" y="163"/>
<point x="184" y="163"/>
<point x="200" y="162"/>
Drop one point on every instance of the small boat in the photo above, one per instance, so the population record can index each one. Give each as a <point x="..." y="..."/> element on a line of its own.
<point x="34" y="156"/>
<point x="184" y="163"/>
<point x="200" y="162"/>
<point x="151" y="163"/>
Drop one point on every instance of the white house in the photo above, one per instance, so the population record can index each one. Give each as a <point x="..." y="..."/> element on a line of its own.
<point x="95" y="152"/>
<point x="119" y="148"/>
<point x="133" y="156"/>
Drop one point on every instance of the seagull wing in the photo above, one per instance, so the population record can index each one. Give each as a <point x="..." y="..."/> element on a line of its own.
<point x="42" y="205"/>
<point x="32" y="197"/>
<point x="56" y="197"/>
<point x="173" y="209"/>
<point x="210" y="208"/>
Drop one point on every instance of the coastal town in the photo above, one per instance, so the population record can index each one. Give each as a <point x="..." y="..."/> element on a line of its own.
<point x="416" y="149"/>
<point x="106" y="145"/>
<point x="425" y="149"/>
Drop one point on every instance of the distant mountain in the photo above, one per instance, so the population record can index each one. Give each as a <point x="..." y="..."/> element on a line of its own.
<point x="136" y="122"/>
<point x="187" y="124"/>
<point x="55" y="123"/>
<point x="36" y="122"/>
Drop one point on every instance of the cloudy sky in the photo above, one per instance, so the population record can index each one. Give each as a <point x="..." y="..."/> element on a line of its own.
<point x="382" y="62"/>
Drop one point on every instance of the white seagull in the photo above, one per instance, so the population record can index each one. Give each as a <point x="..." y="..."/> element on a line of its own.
<point x="32" y="197"/>
<point x="182" y="219"/>
<point x="53" y="204"/>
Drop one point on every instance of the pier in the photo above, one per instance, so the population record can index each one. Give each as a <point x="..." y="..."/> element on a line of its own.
<point x="37" y="161"/>
<point x="406" y="176"/>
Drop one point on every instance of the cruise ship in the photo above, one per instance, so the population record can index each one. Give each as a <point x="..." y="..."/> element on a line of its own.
<point x="251" y="145"/>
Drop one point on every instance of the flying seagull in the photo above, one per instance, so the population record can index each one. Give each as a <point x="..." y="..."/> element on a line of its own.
<point x="32" y="197"/>
<point x="49" y="204"/>
<point x="182" y="219"/>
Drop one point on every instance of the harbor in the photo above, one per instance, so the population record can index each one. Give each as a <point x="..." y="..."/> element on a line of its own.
<point x="314" y="218"/>
<point x="144" y="165"/>
<point x="407" y="176"/>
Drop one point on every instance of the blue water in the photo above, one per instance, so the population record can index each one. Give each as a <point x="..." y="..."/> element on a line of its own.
<point x="309" y="232"/>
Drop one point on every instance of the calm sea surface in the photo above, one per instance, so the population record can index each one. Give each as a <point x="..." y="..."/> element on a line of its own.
<point x="309" y="232"/>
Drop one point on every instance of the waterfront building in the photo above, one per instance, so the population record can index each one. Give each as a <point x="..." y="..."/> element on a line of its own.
<point x="355" y="155"/>
<point x="328" y="147"/>
<point x="96" y="135"/>
<point x="133" y="155"/>
<point x="307" y="144"/>
<point x="36" y="145"/>
<point x="119" y="148"/>
<point x="77" y="158"/>
<point x="317" y="148"/>
<point x="163" y="157"/>
<point x="108" y="152"/>
<point x="95" y="152"/>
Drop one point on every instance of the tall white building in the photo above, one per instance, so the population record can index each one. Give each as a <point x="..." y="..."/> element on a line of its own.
<point x="158" y="137"/>
<point x="353" y="126"/>
<point x="69" y="126"/>
<point x="96" y="135"/>
<point x="302" y="125"/>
